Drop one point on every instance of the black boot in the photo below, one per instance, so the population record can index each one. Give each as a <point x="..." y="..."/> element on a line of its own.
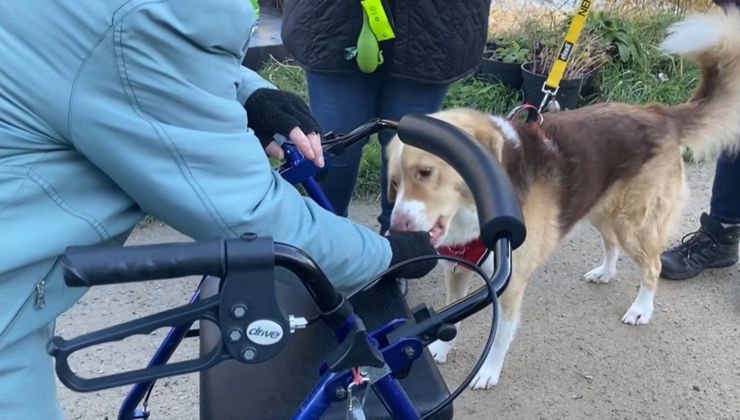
<point x="712" y="246"/>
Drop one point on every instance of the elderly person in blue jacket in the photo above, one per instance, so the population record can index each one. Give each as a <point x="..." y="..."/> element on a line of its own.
<point x="112" y="109"/>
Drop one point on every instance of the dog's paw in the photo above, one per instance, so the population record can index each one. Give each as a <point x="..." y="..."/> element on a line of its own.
<point x="486" y="378"/>
<point x="599" y="275"/>
<point x="637" y="315"/>
<point x="439" y="350"/>
<point x="641" y="310"/>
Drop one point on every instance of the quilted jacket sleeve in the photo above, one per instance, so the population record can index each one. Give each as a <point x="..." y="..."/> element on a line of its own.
<point x="171" y="131"/>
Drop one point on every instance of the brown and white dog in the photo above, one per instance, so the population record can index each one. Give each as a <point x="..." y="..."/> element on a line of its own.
<point x="616" y="165"/>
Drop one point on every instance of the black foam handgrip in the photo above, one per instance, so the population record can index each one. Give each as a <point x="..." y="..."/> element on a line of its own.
<point x="499" y="213"/>
<point x="96" y="265"/>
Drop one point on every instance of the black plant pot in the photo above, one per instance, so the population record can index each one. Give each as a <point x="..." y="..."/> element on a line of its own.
<point x="567" y="96"/>
<point x="508" y="74"/>
<point x="588" y="87"/>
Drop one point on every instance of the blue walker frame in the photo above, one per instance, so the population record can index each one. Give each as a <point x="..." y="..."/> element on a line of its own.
<point x="399" y="342"/>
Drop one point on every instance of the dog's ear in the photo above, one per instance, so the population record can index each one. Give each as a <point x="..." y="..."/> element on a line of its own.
<point x="489" y="131"/>
<point x="392" y="190"/>
<point x="491" y="137"/>
<point x="393" y="165"/>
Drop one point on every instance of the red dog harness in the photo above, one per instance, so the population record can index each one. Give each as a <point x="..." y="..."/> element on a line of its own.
<point x="474" y="251"/>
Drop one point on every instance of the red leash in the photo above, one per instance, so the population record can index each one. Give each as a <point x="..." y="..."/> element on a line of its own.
<point x="534" y="118"/>
<point x="533" y="113"/>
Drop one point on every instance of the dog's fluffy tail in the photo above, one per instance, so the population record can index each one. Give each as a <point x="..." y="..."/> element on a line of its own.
<point x="710" y="121"/>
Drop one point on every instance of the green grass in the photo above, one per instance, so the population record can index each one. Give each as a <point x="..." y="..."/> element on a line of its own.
<point x="656" y="77"/>
<point x="651" y="77"/>
<point x="286" y="76"/>
<point x="483" y="96"/>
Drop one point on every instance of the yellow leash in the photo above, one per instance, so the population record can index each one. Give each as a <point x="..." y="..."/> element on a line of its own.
<point x="552" y="84"/>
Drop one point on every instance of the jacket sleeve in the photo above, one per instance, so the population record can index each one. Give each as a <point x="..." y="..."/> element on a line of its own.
<point x="158" y="108"/>
<point x="248" y="83"/>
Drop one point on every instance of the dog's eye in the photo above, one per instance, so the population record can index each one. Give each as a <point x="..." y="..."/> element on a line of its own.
<point x="424" y="173"/>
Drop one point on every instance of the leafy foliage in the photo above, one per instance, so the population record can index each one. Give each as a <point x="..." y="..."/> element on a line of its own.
<point x="639" y="73"/>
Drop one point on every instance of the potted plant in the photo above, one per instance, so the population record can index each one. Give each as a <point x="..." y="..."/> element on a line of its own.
<point x="501" y="62"/>
<point x="588" y="56"/>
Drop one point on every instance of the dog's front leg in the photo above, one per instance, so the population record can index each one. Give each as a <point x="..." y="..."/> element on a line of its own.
<point x="508" y="313"/>
<point x="641" y="310"/>
<point x="457" y="281"/>
<point x="644" y="245"/>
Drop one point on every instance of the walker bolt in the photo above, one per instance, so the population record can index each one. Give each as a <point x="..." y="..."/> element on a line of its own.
<point x="238" y="311"/>
<point x="340" y="393"/>
<point x="409" y="352"/>
<point x="249" y="353"/>
<point x="235" y="335"/>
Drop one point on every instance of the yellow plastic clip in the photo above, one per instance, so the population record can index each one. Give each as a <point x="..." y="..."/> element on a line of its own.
<point x="552" y="84"/>
<point x="378" y="20"/>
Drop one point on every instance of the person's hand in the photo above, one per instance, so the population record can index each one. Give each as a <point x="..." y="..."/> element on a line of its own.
<point x="273" y="111"/>
<point x="408" y="245"/>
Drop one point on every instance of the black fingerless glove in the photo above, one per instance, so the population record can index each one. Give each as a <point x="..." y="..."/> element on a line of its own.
<point x="408" y="245"/>
<point x="273" y="111"/>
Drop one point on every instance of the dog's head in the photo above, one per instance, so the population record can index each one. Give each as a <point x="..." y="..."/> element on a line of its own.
<point x="428" y="194"/>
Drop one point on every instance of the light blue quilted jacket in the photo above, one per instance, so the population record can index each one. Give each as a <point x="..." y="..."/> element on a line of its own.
<point x="111" y="109"/>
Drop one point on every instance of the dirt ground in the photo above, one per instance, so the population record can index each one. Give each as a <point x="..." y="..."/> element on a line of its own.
<point x="571" y="359"/>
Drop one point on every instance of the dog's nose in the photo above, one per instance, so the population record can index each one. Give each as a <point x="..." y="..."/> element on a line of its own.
<point x="401" y="223"/>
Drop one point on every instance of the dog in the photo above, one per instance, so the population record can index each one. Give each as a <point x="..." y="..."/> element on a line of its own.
<point x="618" y="166"/>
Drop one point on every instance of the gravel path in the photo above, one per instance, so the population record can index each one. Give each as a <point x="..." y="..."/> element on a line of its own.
<point x="572" y="358"/>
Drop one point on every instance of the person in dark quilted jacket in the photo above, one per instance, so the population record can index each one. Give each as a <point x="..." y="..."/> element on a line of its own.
<point x="434" y="43"/>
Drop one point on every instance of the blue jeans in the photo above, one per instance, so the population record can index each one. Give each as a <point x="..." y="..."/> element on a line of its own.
<point x="340" y="103"/>
<point x="725" y="201"/>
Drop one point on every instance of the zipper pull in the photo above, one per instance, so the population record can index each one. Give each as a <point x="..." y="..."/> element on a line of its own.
<point x="40" y="298"/>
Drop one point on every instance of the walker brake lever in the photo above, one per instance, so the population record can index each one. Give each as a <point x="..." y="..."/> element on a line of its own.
<point x="62" y="349"/>
<point x="253" y="328"/>
<point x="298" y="168"/>
<point x="375" y="125"/>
